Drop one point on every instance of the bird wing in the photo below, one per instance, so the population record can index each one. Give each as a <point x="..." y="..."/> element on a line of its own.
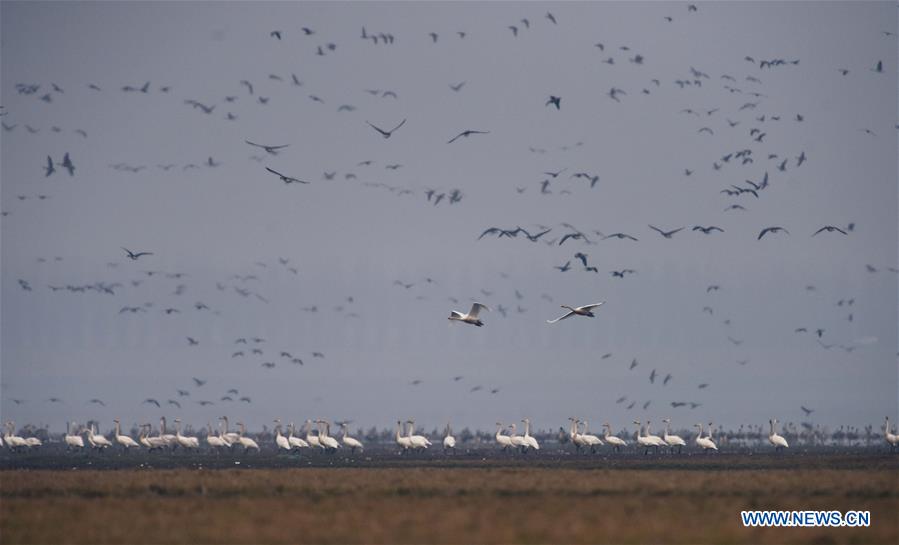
<point x="591" y="307"/>
<point x="275" y="172"/>
<point x="560" y="318"/>
<point x="476" y="308"/>
<point x="453" y="139"/>
<point x="403" y="122"/>
<point x="377" y="129"/>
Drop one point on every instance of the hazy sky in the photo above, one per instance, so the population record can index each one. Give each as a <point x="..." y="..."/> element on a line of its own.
<point x="354" y="238"/>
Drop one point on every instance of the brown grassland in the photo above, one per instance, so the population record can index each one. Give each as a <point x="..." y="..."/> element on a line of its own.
<point x="438" y="505"/>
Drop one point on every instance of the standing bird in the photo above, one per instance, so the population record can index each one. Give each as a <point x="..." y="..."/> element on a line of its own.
<point x="777" y="440"/>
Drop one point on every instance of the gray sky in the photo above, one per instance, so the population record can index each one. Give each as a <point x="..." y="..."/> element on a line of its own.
<point x="353" y="238"/>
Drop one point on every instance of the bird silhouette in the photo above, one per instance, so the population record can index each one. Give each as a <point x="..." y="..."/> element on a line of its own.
<point x="387" y="134"/>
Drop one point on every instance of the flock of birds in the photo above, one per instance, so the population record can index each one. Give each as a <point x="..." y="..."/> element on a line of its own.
<point x="220" y="438"/>
<point x="747" y="120"/>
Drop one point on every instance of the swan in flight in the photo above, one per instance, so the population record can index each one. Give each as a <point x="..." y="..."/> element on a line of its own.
<point x="295" y="442"/>
<point x="704" y="442"/>
<point x="502" y="440"/>
<point x="126" y="441"/>
<point x="891" y="438"/>
<point x="471" y="317"/>
<point x="73" y="441"/>
<point x="613" y="440"/>
<point x="672" y="440"/>
<point x="449" y="442"/>
<point x="280" y="440"/>
<point x="777" y="440"/>
<point x="586" y="310"/>
<point x="348" y="441"/>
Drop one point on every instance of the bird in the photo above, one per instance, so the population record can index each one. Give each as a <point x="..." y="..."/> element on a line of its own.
<point x="806" y="410"/>
<point x="666" y="234"/>
<point x="135" y="256"/>
<point x="829" y="229"/>
<point x="585" y="310"/>
<point x="777" y="440"/>
<point x="551" y="17"/>
<point x="151" y="401"/>
<point x="620" y="236"/>
<point x="457" y="87"/>
<point x="555" y="101"/>
<point x="286" y="179"/>
<point x="199" y="382"/>
<point x="67" y="164"/>
<point x="387" y="134"/>
<point x="707" y="230"/>
<point x="275" y="34"/>
<point x="471" y="317"/>
<point x="268" y="149"/>
<point x="767" y="230"/>
<point x="466" y="134"/>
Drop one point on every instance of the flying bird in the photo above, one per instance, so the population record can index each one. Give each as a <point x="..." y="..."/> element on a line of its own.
<point x="135" y="256"/>
<point x="387" y="134"/>
<point x="466" y="134"/>
<point x="555" y="101"/>
<point x="471" y="317"/>
<point x="666" y="234"/>
<point x="286" y="179"/>
<point x="268" y="149"/>
<point x="585" y="310"/>
<point x="767" y="230"/>
<point x="829" y="229"/>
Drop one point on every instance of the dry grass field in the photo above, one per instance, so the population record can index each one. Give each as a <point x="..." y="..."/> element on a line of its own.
<point x="438" y="505"/>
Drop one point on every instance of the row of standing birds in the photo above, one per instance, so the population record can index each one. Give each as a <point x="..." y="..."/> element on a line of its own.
<point x="221" y="438"/>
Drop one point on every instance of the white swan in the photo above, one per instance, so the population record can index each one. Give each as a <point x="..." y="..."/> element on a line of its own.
<point x="529" y="440"/>
<point x="151" y="442"/>
<point x="517" y="440"/>
<point x="471" y="317"/>
<point x="312" y="440"/>
<point x="704" y="442"/>
<point x="646" y="441"/>
<point x="246" y="442"/>
<point x="348" y="441"/>
<point x="295" y="442"/>
<point x="613" y="440"/>
<point x="96" y="440"/>
<point x="891" y="438"/>
<point x="449" y="442"/>
<point x="502" y="440"/>
<point x="216" y="441"/>
<point x="672" y="440"/>
<point x="73" y="441"/>
<point x="401" y="439"/>
<point x="14" y="442"/>
<point x="183" y="440"/>
<point x="777" y="440"/>
<point x="418" y="441"/>
<point x="591" y="440"/>
<point x="229" y="436"/>
<point x="585" y="310"/>
<point x="575" y="435"/>
<point x="325" y="438"/>
<point x="125" y="440"/>
<point x="280" y="440"/>
<point x="170" y="440"/>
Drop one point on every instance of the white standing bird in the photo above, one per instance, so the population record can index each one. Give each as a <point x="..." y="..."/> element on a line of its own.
<point x="576" y="438"/>
<point x="151" y="442"/>
<point x="586" y="310"/>
<point x="672" y="440"/>
<point x="777" y="440"/>
<point x="591" y="440"/>
<point x="183" y="440"/>
<point x="324" y="436"/>
<point x="891" y="438"/>
<point x="501" y="439"/>
<point x="216" y="441"/>
<point x="348" y="441"/>
<point x="646" y="441"/>
<point x="229" y="437"/>
<point x="449" y="442"/>
<point x="170" y="440"/>
<point x="471" y="317"/>
<point x="401" y="439"/>
<point x="295" y="442"/>
<point x="613" y="440"/>
<point x="517" y="440"/>
<point x="529" y="440"/>
<point x="280" y="440"/>
<point x="96" y="440"/>
<point x="246" y="442"/>
<point x="704" y="442"/>
<point x="418" y="441"/>
<point x="125" y="440"/>
<point x="73" y="440"/>
<point x="312" y="440"/>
